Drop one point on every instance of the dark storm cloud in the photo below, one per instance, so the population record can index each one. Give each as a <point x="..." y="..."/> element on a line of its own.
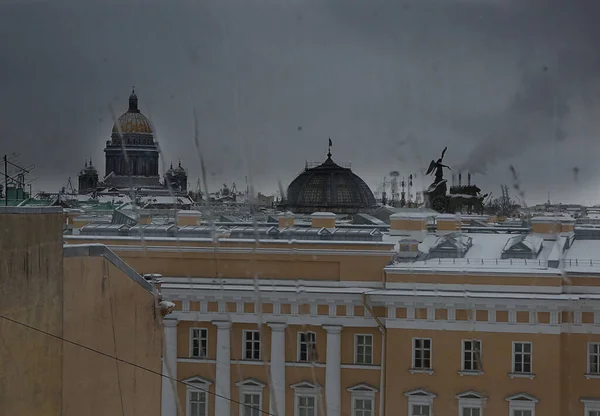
<point x="499" y="82"/>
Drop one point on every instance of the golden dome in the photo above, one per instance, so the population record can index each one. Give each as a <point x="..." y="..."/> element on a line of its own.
<point x="133" y="121"/>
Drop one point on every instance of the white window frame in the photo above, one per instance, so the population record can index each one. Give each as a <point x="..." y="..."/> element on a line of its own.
<point x="589" y="358"/>
<point x="521" y="401"/>
<point x="362" y="391"/>
<point x="413" y="348"/>
<point x="308" y="360"/>
<point x="513" y="369"/>
<point x="591" y="405"/>
<point x="191" y="343"/>
<point x="420" y="397"/>
<point x="471" y="399"/>
<point x="356" y="348"/>
<point x="250" y="386"/>
<point x="195" y="384"/>
<point x="462" y="357"/>
<point x="244" y="357"/>
<point x="306" y="389"/>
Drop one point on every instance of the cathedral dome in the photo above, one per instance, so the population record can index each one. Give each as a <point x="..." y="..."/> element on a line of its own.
<point x="329" y="187"/>
<point x="133" y="121"/>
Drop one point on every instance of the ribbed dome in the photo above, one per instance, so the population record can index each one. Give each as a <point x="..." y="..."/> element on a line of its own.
<point x="329" y="187"/>
<point x="133" y="121"/>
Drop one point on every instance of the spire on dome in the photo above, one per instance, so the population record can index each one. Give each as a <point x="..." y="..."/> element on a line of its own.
<point x="179" y="163"/>
<point x="85" y="163"/>
<point x="329" y="150"/>
<point x="133" y="102"/>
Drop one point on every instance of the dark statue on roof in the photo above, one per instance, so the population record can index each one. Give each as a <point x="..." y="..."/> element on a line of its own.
<point x="438" y="167"/>
<point x="460" y="199"/>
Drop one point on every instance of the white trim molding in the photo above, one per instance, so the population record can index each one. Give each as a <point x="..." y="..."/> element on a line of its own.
<point x="420" y="397"/>
<point x="250" y="386"/>
<point x="362" y="391"/>
<point x="522" y="401"/>
<point x="471" y="400"/>
<point x="200" y="385"/>
<point x="590" y="404"/>
<point x="306" y="389"/>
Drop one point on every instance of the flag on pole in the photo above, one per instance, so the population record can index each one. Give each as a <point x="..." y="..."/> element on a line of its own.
<point x="330" y="143"/>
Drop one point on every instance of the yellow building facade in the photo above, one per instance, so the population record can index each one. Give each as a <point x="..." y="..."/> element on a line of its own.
<point x="455" y="321"/>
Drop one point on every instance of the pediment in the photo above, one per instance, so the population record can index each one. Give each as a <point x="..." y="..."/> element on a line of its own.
<point x="251" y="382"/>
<point x="419" y="393"/>
<point x="197" y="380"/>
<point x="305" y="385"/>
<point x="362" y="388"/>
<point x="522" y="397"/>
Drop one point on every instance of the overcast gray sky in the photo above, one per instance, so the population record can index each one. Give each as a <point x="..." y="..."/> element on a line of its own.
<point x="499" y="82"/>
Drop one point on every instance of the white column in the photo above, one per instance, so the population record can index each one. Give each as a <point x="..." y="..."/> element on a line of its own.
<point x="169" y="369"/>
<point x="277" y="403"/>
<point x="223" y="379"/>
<point x="333" y="388"/>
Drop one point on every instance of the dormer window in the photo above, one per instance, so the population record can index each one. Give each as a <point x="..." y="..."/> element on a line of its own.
<point x="522" y="247"/>
<point x="453" y="245"/>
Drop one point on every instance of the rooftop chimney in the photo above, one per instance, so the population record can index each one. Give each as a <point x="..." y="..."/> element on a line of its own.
<point x="188" y="217"/>
<point x="286" y="220"/>
<point x="323" y="220"/>
<point x="447" y="223"/>
<point x="410" y="224"/>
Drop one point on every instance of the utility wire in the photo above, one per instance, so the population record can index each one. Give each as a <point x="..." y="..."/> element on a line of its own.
<point x="41" y="331"/>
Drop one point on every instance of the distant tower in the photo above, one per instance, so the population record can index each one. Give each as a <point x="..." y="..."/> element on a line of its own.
<point x="410" y="184"/>
<point x="132" y="154"/>
<point x="394" y="174"/>
<point x="403" y="194"/>
<point x="177" y="178"/>
<point x="88" y="178"/>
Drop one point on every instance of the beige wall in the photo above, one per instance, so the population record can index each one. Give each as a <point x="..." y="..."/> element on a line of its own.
<point x="31" y="293"/>
<point x="99" y="299"/>
<point x="553" y="383"/>
<point x="290" y="265"/>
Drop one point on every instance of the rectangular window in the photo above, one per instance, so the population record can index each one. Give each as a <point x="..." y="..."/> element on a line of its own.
<point x="522" y="359"/>
<point x="363" y="407"/>
<point x="197" y="403"/>
<point x="252" y="345"/>
<point x="420" y="410"/>
<point x="198" y="342"/>
<point x="593" y="413"/>
<point x="594" y="358"/>
<point x="307" y="349"/>
<point x="522" y="413"/>
<point x="471" y="355"/>
<point x="364" y="349"/>
<point x="307" y="406"/>
<point x="251" y="404"/>
<point x="471" y="411"/>
<point x="422" y="354"/>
